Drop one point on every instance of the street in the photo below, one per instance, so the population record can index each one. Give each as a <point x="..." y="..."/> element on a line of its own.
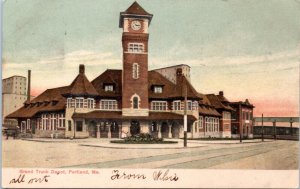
<point x="269" y="155"/>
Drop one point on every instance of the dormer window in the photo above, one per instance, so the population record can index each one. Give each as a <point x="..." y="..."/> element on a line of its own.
<point x="136" y="47"/>
<point x="109" y="88"/>
<point x="158" y="89"/>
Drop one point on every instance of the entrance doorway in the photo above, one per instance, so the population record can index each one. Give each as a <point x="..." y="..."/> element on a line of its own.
<point x="164" y="130"/>
<point x="175" y="130"/>
<point x="92" y="127"/>
<point x="114" y="129"/>
<point x="135" y="127"/>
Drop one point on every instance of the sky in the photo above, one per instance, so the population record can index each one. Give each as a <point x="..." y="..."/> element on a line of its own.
<point x="248" y="49"/>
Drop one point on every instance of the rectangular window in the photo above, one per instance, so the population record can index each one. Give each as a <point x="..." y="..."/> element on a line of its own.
<point x="108" y="105"/>
<point x="159" y="105"/>
<point x="200" y="122"/>
<point x="79" y="102"/>
<point x="109" y="88"/>
<point x="79" y="126"/>
<point x="61" y="120"/>
<point x="158" y="89"/>
<point x="136" y="47"/>
<point x="189" y="105"/>
<point x="90" y="103"/>
<point x="176" y="105"/>
<point x="70" y="103"/>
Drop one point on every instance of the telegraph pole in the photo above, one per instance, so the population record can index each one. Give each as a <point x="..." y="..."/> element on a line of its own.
<point x="185" y="116"/>
<point x="240" y="122"/>
<point x="262" y="127"/>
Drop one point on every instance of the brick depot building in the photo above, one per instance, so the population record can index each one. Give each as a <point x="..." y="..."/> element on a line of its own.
<point x="125" y="102"/>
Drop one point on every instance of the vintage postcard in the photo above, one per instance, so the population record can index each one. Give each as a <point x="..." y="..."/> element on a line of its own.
<point x="150" y="94"/>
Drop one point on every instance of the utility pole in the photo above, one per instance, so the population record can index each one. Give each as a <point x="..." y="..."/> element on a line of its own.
<point x="274" y="127"/>
<point x="185" y="116"/>
<point x="240" y="122"/>
<point x="262" y="127"/>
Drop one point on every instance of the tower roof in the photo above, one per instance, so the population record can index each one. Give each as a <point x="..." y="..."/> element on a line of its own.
<point x="135" y="10"/>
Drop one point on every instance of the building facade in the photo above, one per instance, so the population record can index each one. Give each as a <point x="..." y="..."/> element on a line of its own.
<point x="242" y="119"/>
<point x="120" y="103"/>
<point x="13" y="96"/>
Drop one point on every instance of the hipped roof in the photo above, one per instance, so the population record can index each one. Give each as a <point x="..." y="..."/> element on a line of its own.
<point x="81" y="86"/>
<point x="49" y="100"/>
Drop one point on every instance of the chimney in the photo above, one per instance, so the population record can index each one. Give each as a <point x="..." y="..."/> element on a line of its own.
<point x="28" y="85"/>
<point x="221" y="93"/>
<point x="81" y="69"/>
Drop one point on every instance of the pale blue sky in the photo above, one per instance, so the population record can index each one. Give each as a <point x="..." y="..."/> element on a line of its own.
<point x="226" y="42"/>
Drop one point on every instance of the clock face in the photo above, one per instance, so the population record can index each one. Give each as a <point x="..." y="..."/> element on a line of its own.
<point x="136" y="25"/>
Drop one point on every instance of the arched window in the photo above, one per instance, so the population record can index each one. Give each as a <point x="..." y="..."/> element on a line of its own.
<point x="135" y="102"/>
<point x="135" y="71"/>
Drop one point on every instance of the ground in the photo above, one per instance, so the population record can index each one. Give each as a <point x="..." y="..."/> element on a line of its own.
<point x="95" y="153"/>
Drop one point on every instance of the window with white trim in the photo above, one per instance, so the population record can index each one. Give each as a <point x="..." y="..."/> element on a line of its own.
<point x="135" y="70"/>
<point x="108" y="105"/>
<point x="189" y="105"/>
<point x="70" y="103"/>
<point x="136" y="47"/>
<point x="195" y="105"/>
<point x="109" y="88"/>
<point x="159" y="105"/>
<point x="90" y="103"/>
<point x="79" y="102"/>
<point x="61" y="120"/>
<point x="200" y="122"/>
<point x="158" y="89"/>
<point x="177" y="105"/>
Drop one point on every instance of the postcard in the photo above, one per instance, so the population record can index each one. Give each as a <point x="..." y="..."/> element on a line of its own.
<point x="150" y="94"/>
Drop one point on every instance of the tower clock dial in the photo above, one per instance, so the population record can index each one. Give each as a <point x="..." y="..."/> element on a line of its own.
<point x="136" y="25"/>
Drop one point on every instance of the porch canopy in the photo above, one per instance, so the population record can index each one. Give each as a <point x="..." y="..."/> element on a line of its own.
<point x="117" y="115"/>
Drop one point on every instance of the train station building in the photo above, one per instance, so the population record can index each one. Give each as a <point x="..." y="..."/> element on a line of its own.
<point x="129" y="101"/>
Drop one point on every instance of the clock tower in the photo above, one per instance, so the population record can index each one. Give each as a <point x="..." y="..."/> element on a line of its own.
<point x="135" y="22"/>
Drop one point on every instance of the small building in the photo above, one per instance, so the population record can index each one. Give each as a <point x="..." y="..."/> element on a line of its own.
<point x="242" y="119"/>
<point x="221" y="104"/>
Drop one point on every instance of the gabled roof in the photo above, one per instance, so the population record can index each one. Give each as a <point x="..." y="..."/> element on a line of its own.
<point x="81" y="86"/>
<point x="109" y="76"/>
<point x="42" y="103"/>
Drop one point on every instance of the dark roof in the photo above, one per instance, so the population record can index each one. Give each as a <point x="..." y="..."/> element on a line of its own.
<point x="109" y="77"/>
<point x="246" y="104"/>
<point x="81" y="86"/>
<point x="135" y="8"/>
<point x="179" y="89"/>
<point x="42" y="103"/>
<point x="217" y="103"/>
<point x="207" y="110"/>
<point x="118" y="115"/>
